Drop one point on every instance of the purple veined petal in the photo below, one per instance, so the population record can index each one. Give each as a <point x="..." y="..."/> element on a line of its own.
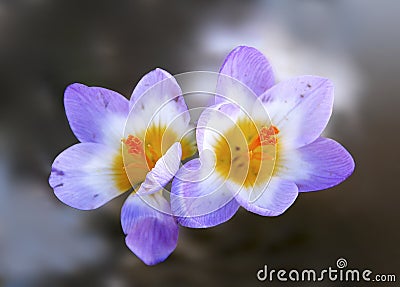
<point x="199" y="197"/>
<point x="95" y="114"/>
<point x="214" y="121"/>
<point x="248" y="66"/>
<point x="157" y="99"/>
<point x="88" y="175"/>
<point x="150" y="233"/>
<point x="274" y="199"/>
<point x="300" y="108"/>
<point x="164" y="170"/>
<point x="319" y="165"/>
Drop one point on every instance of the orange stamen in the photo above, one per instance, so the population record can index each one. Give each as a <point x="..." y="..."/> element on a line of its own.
<point x="254" y="143"/>
<point x="152" y="152"/>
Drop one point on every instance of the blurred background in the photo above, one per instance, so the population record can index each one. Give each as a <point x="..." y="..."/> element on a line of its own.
<point x="46" y="45"/>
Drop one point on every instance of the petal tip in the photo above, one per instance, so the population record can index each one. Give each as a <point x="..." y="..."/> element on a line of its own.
<point x="72" y="89"/>
<point x="163" y="72"/>
<point x="149" y="260"/>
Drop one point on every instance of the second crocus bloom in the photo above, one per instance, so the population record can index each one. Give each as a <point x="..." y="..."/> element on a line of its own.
<point x="259" y="145"/>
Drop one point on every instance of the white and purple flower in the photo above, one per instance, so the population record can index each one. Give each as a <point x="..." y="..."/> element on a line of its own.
<point x="123" y="145"/>
<point x="259" y="145"/>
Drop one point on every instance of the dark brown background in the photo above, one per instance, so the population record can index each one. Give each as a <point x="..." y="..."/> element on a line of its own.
<point x="46" y="45"/>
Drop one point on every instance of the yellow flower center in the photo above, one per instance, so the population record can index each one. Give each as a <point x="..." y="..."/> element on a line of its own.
<point x="246" y="154"/>
<point x="141" y="152"/>
<point x="119" y="175"/>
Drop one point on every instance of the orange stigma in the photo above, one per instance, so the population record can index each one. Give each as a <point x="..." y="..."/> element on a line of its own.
<point x="247" y="152"/>
<point x="265" y="137"/>
<point x="134" y="145"/>
<point x="140" y="152"/>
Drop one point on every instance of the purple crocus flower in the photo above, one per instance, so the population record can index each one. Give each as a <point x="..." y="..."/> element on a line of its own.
<point x="259" y="145"/>
<point x="124" y="144"/>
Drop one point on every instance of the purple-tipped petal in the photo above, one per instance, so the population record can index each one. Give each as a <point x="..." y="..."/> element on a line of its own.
<point x="272" y="200"/>
<point x="156" y="81"/>
<point x="164" y="170"/>
<point x="250" y="67"/>
<point x="319" y="165"/>
<point x="95" y="114"/>
<point x="151" y="233"/>
<point x="157" y="100"/>
<point x="88" y="175"/>
<point x="300" y="108"/>
<point x="199" y="198"/>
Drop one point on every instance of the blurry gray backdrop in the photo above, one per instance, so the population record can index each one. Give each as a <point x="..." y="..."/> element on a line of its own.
<point x="46" y="45"/>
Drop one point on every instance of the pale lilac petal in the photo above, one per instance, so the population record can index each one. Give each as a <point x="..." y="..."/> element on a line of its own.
<point x="157" y="99"/>
<point x="157" y="81"/>
<point x="272" y="200"/>
<point x="151" y="233"/>
<point x="300" y="108"/>
<point x="319" y="165"/>
<point x="87" y="175"/>
<point x="164" y="170"/>
<point x="250" y="67"/>
<point x="214" y="121"/>
<point x="95" y="114"/>
<point x="199" y="198"/>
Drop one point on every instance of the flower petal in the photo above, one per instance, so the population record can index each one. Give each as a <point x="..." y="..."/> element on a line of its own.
<point x="274" y="199"/>
<point x="214" y="121"/>
<point x="151" y="233"/>
<point x="250" y="67"/>
<point x="199" y="198"/>
<point x="87" y="175"/>
<point x="95" y="114"/>
<point x="157" y="99"/>
<point x="164" y="170"/>
<point x="300" y="108"/>
<point x="319" y="165"/>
